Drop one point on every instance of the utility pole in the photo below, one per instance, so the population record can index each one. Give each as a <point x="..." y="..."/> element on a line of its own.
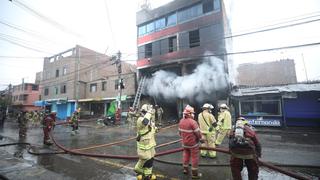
<point x="78" y="80"/>
<point x="305" y="70"/>
<point x="118" y="112"/>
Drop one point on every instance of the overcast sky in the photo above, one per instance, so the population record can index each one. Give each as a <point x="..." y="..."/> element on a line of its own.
<point x="33" y="29"/>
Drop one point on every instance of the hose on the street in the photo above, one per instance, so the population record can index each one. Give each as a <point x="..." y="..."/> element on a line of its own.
<point x="76" y="152"/>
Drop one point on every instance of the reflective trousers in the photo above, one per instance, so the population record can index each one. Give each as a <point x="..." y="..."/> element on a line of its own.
<point x="209" y="139"/>
<point x="145" y="163"/>
<point x="221" y="134"/>
<point x="192" y="153"/>
<point x="236" y="165"/>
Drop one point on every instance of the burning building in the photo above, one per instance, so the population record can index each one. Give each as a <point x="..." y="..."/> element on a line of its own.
<point x="182" y="52"/>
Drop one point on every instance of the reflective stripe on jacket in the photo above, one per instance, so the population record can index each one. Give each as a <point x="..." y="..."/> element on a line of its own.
<point x="224" y="120"/>
<point x="147" y="141"/>
<point x="190" y="132"/>
<point x="205" y="121"/>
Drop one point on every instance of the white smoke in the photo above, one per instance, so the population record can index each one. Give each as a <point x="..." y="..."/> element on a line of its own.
<point x="200" y="86"/>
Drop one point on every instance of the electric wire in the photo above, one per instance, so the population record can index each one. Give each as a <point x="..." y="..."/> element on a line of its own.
<point x="44" y="18"/>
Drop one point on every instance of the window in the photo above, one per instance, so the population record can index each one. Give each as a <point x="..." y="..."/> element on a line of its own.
<point x="148" y="50"/>
<point x="190" y="13"/>
<point x="63" y="89"/>
<point x="25" y="97"/>
<point x="93" y="87"/>
<point x="57" y="73"/>
<point x="56" y="90"/>
<point x="171" y="19"/>
<point x="216" y="5"/>
<point x="160" y="24"/>
<point x="103" y="86"/>
<point x="173" y="44"/>
<point x="25" y="86"/>
<point x="150" y="27"/>
<point x="46" y="91"/>
<point x="35" y="87"/>
<point x="116" y="84"/>
<point x="194" y="38"/>
<point x="64" y="71"/>
<point x="142" y="30"/>
<point x="207" y="6"/>
<point x="260" y="107"/>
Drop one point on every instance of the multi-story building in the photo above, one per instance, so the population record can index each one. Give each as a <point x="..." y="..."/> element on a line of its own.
<point x="24" y="95"/>
<point x="80" y="77"/>
<point x="270" y="73"/>
<point x="180" y="35"/>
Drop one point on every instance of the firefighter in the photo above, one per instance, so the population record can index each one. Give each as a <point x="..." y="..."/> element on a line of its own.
<point x="191" y="136"/>
<point x="145" y="144"/>
<point x="159" y="113"/>
<point x="74" y="121"/>
<point x="245" y="148"/>
<point x="131" y="117"/>
<point x="48" y="124"/>
<point x="207" y="124"/>
<point x="23" y="123"/>
<point x="224" y="123"/>
<point x="35" y="118"/>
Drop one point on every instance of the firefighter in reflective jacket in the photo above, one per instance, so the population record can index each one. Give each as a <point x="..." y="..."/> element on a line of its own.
<point x="191" y="137"/>
<point x="244" y="147"/>
<point x="145" y="144"/>
<point x="74" y="121"/>
<point x="224" y="123"/>
<point x="207" y="124"/>
<point x="48" y="124"/>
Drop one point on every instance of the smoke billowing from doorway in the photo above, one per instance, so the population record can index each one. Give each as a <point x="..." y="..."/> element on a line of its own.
<point x="200" y="86"/>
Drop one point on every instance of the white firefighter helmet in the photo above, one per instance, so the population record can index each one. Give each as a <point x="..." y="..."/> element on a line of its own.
<point x="206" y="106"/>
<point x="224" y="106"/>
<point x="144" y="108"/>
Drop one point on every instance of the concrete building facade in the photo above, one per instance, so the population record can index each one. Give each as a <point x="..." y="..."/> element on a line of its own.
<point x="270" y="73"/>
<point x="179" y="36"/>
<point x="70" y="79"/>
<point x="24" y="95"/>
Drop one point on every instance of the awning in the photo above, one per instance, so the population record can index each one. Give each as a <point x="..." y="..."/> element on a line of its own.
<point x="41" y="103"/>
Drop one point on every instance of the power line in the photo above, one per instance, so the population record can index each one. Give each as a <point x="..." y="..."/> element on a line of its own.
<point x="24" y="46"/>
<point x="44" y="18"/>
<point x="27" y="31"/>
<point x="109" y="23"/>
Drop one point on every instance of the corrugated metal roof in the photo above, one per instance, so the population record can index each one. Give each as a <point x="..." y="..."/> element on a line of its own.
<point x="276" y="89"/>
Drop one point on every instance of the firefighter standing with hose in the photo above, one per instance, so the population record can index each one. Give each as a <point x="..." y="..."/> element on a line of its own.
<point x="207" y="124"/>
<point x="245" y="148"/>
<point x="48" y="124"/>
<point x="145" y="144"/>
<point x="224" y="123"/>
<point x="191" y="137"/>
<point x="74" y="121"/>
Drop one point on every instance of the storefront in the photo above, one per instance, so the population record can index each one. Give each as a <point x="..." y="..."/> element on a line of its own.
<point x="279" y="106"/>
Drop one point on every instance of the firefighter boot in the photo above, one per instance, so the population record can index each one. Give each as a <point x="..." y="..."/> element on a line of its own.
<point x="196" y="174"/>
<point x="139" y="177"/>
<point x="47" y="142"/>
<point x="185" y="170"/>
<point x="150" y="177"/>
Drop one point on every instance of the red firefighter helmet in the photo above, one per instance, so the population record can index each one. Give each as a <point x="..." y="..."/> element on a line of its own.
<point x="188" y="110"/>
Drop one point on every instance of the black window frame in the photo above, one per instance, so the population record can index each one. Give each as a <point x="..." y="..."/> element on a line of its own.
<point x="46" y="91"/>
<point x="194" y="38"/>
<point x="103" y="85"/>
<point x="148" y="50"/>
<point x="63" y="89"/>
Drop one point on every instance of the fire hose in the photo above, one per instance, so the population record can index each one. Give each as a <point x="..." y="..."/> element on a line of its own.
<point x="76" y="152"/>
